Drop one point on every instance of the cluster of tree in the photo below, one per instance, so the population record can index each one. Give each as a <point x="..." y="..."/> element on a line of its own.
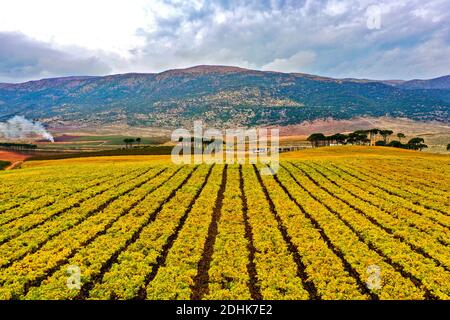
<point x="413" y="144"/>
<point x="375" y="137"/>
<point x="17" y="146"/>
<point x="131" y="141"/>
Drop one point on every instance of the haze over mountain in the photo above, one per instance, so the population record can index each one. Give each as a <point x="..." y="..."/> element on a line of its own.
<point x="221" y="96"/>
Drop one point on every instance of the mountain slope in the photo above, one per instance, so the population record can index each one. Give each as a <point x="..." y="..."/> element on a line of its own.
<point x="436" y="83"/>
<point x="222" y="96"/>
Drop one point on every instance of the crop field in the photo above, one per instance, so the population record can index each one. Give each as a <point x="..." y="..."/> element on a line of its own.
<point x="327" y="225"/>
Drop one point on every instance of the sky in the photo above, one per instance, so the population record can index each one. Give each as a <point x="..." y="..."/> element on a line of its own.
<point x="375" y="39"/>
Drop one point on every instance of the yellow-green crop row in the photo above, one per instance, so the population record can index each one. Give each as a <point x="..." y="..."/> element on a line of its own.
<point x="386" y="203"/>
<point x="399" y="228"/>
<point x="270" y="244"/>
<point x="432" y="277"/>
<point x="21" y="220"/>
<point x="92" y="258"/>
<point x="434" y="188"/>
<point x="32" y="239"/>
<point x="403" y="191"/>
<point x="228" y="276"/>
<point x="128" y="277"/>
<point x="357" y="253"/>
<point x="35" y="267"/>
<point x="175" y="278"/>
<point x="440" y="217"/>
<point x="275" y="265"/>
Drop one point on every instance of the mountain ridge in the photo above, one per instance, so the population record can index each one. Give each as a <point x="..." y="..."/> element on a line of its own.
<point x="198" y="69"/>
<point x="221" y="95"/>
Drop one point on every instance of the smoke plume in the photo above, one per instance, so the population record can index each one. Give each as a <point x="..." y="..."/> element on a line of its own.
<point x="20" y="128"/>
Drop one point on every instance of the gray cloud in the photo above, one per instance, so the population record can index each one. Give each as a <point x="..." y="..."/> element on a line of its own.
<point x="412" y="42"/>
<point x="328" y="37"/>
<point x="22" y="58"/>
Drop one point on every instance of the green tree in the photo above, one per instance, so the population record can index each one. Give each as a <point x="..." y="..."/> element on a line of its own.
<point x="448" y="146"/>
<point x="358" y="137"/>
<point x="129" y="141"/>
<point x="400" y="136"/>
<point x="138" y="140"/>
<point x="316" y="139"/>
<point x="416" y="144"/>
<point x="338" y="138"/>
<point x="416" y="140"/>
<point x="395" y="144"/>
<point x="385" y="134"/>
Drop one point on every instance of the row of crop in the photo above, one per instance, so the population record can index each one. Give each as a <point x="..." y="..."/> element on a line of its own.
<point x="437" y="203"/>
<point x="430" y="173"/>
<point x="127" y="235"/>
<point x="389" y="193"/>
<point x="175" y="278"/>
<point x="434" y="187"/>
<point x="407" y="183"/>
<point x="401" y="229"/>
<point x="56" y="188"/>
<point x="385" y="202"/>
<point x="66" y="200"/>
<point x="95" y="195"/>
<point x="356" y="253"/>
<point x="323" y="266"/>
<point x="276" y="268"/>
<point x="228" y="276"/>
<point x="35" y="268"/>
<point x="419" y="267"/>
<point x="48" y="181"/>
<point x="50" y="191"/>
<point x="128" y="277"/>
<point x="33" y="239"/>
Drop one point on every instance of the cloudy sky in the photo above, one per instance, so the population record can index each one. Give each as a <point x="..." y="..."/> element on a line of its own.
<point x="378" y="39"/>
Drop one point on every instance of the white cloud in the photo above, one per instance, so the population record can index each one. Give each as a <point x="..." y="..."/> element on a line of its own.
<point x="108" y="25"/>
<point x="328" y="37"/>
<point x="295" y="63"/>
<point x="335" y="7"/>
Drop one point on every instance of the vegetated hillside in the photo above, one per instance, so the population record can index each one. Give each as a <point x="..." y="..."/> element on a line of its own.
<point x="221" y="96"/>
<point x="437" y="83"/>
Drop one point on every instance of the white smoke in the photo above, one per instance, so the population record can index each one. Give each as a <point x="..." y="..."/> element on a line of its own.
<point x="19" y="128"/>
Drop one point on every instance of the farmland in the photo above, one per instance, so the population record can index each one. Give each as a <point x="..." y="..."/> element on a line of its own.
<point x="333" y="223"/>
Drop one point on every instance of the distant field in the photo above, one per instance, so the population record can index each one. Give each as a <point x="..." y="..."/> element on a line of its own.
<point x="333" y="223"/>
<point x="118" y="140"/>
<point x="160" y="150"/>
<point x="82" y="143"/>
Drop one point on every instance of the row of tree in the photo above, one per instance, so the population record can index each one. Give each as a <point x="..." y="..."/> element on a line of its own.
<point x="413" y="144"/>
<point x="17" y="146"/>
<point x="375" y="137"/>
<point x="131" y="141"/>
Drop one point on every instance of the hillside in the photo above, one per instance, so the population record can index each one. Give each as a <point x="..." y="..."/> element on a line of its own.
<point x="221" y="96"/>
<point x="437" y="83"/>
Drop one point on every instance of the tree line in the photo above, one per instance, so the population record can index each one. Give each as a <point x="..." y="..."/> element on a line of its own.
<point x="131" y="141"/>
<point x="372" y="137"/>
<point x="17" y="146"/>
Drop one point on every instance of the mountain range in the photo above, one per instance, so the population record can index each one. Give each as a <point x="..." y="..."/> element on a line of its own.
<point x="221" y="96"/>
